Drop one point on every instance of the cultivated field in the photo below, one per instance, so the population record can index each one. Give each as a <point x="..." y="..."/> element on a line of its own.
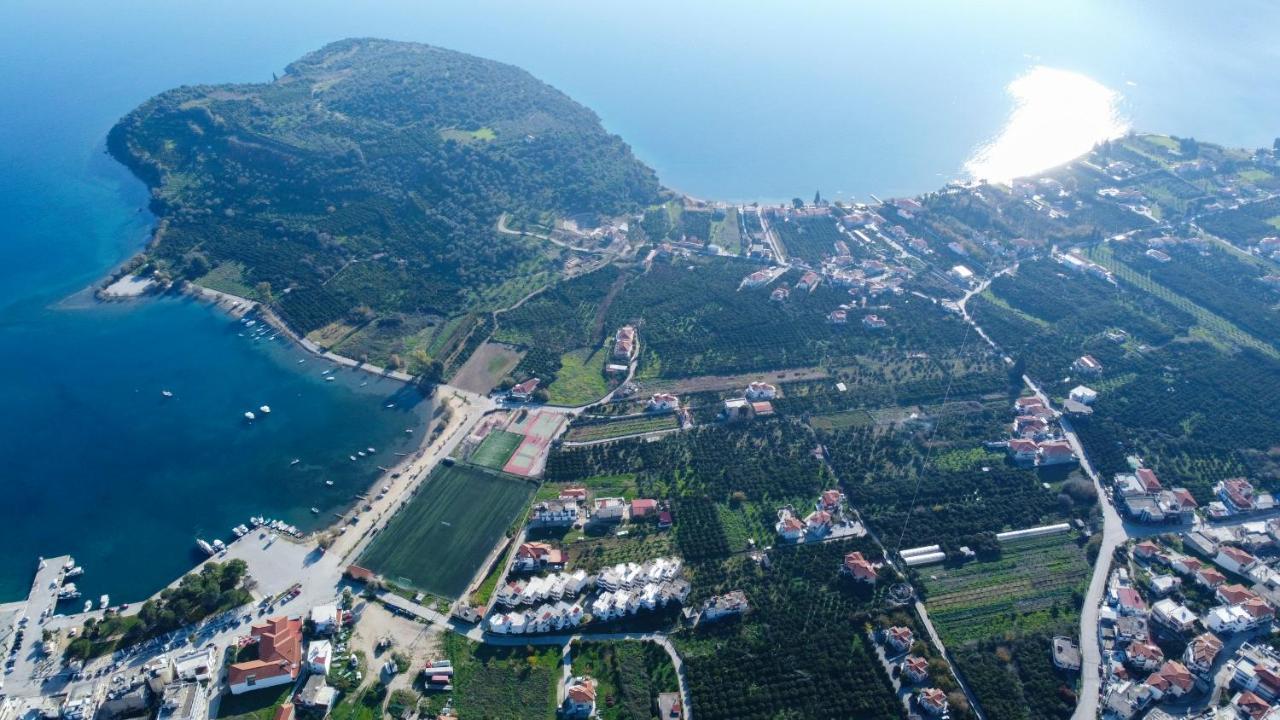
<point x="496" y="449"/>
<point x="439" y="540"/>
<point x="1031" y="586"/>
<point x="486" y="367"/>
<point x="619" y="428"/>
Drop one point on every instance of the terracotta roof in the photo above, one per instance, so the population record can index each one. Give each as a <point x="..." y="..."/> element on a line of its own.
<point x="284" y="712"/>
<point x="1177" y="675"/>
<point x="279" y="650"/>
<point x="859" y="566"/>
<point x="1148" y="479"/>
<point x="1237" y="554"/>
<point x="1212" y="576"/>
<point x="1251" y="704"/>
<point x="583" y="692"/>
<point x="1235" y="594"/>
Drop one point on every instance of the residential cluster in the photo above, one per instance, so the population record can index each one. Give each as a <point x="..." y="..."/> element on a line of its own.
<point x="574" y="507"/>
<point x="1036" y="437"/>
<point x="1203" y="594"/>
<point x="756" y="401"/>
<point x="830" y="518"/>
<point x="566" y="600"/>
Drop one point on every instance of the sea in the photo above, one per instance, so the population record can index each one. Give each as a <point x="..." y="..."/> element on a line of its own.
<point x="736" y="101"/>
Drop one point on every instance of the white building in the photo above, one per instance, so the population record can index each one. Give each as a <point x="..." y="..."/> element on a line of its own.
<point x="1083" y="395"/>
<point x="320" y="656"/>
<point x="326" y="619"/>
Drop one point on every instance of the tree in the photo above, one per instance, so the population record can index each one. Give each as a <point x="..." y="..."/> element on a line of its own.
<point x="817" y="197"/>
<point x="263" y="289"/>
<point x="797" y="203"/>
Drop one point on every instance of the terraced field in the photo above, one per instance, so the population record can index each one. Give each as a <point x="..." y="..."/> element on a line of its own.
<point x="607" y="429"/>
<point x="1034" y="584"/>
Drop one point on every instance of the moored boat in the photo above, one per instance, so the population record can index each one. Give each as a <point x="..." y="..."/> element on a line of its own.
<point x="204" y="546"/>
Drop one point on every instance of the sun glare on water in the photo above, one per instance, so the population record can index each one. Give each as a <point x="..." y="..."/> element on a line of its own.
<point x="1058" y="115"/>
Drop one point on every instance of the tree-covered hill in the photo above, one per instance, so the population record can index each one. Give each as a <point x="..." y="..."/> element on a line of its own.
<point x="369" y="177"/>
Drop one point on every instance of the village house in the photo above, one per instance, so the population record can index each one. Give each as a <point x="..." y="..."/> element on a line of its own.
<point x="642" y="508"/>
<point x="1083" y="395"/>
<point x="576" y="493"/>
<point x="839" y="317"/>
<point x="1144" y="656"/>
<point x="279" y="660"/>
<point x="660" y="402"/>
<point x="326" y="619"/>
<point x="915" y="669"/>
<point x="1250" y="706"/>
<point x="780" y="294"/>
<point x="933" y="702"/>
<point x="1171" y="680"/>
<point x="761" y="391"/>
<point x="809" y="281"/>
<point x="609" y="509"/>
<point x="1235" y="560"/>
<point x="859" y="568"/>
<point x="1228" y="619"/>
<point x="1208" y="576"/>
<point x="1087" y="364"/>
<point x="1201" y="653"/>
<point x="1237" y="493"/>
<point x="831" y="501"/>
<point x="1128" y="601"/>
<point x="898" y="638"/>
<point x="818" y="523"/>
<point x="579" y="697"/>
<point x="185" y="701"/>
<point x="624" y="344"/>
<point x="1257" y="670"/>
<point x="1055" y="452"/>
<point x="1023" y="451"/>
<point x="1162" y="585"/>
<point x="555" y="513"/>
<point x="522" y="392"/>
<point x="1173" y="615"/>
<point x="1027" y="405"/>
<point x="534" y="556"/>
<point x="874" y="322"/>
<point x="789" y="527"/>
<point x="730" y="604"/>
<point x="319" y="656"/>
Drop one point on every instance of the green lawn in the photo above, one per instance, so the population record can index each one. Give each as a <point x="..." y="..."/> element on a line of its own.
<point x="257" y="705"/>
<point x="228" y="278"/>
<point x="1030" y="587"/>
<point x="580" y="380"/>
<point x="496" y="449"/>
<point x="438" y="541"/>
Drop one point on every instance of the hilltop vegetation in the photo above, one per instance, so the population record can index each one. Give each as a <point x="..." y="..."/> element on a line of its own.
<point x="362" y="186"/>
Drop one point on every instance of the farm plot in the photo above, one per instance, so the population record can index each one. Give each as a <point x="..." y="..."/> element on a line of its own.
<point x="438" y="541"/>
<point x="1035" y="584"/>
<point x="607" y="429"/>
<point x="496" y="449"/>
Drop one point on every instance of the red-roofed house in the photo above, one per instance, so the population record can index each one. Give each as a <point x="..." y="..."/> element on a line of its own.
<point x="1054" y="452"/>
<point x="284" y="712"/>
<point x="1130" y="602"/>
<point x="1022" y="450"/>
<point x="860" y="568"/>
<point x="664" y="401"/>
<point x="532" y="556"/>
<point x="1025" y="404"/>
<point x="915" y="668"/>
<point x="830" y="500"/>
<point x="664" y="519"/>
<point x="1260" y="609"/>
<point x="818" y="522"/>
<point x="524" y="390"/>
<point x="789" y="526"/>
<point x="1201" y="652"/>
<point x="1251" y="705"/>
<point x="579" y="697"/>
<point x="1210" y="577"/>
<point x="933" y="701"/>
<point x="1149" y="481"/>
<point x="1173" y="679"/>
<point x="574" y="493"/>
<point x="1236" y="560"/>
<point x="1238" y="493"/>
<point x="1186" y="502"/>
<point x="643" y="507"/>
<point x="1234" y="594"/>
<point x="899" y="638"/>
<point x="1146" y="549"/>
<point x="1144" y="655"/>
<point x="279" y="656"/>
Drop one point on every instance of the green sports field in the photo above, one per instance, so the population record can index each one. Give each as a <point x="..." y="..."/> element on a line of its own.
<point x="496" y="449"/>
<point x="438" y="541"/>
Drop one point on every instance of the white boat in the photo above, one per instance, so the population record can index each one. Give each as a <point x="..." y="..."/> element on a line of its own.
<point x="315" y="511"/>
<point x="250" y="323"/>
<point x="265" y="409"/>
<point x="204" y="546"/>
<point x="408" y="431"/>
<point x="302" y="361"/>
<point x="329" y="483"/>
<point x="104" y="601"/>
<point x="88" y="605"/>
<point x="329" y="378"/>
<point x="360" y="453"/>
<point x="370" y="450"/>
<point x="68" y="592"/>
<point x="166" y="393"/>
<point x="391" y="405"/>
<point x="219" y="545"/>
<point x="353" y="458"/>
<point x="74" y="571"/>
<point x="295" y="462"/>
<point x="249" y="415"/>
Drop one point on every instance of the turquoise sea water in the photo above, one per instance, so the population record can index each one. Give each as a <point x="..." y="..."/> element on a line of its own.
<point x="726" y="100"/>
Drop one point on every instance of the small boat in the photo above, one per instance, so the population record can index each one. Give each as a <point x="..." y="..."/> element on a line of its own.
<point x="104" y="601"/>
<point x="363" y="384"/>
<point x="408" y="431"/>
<point x="219" y="545"/>
<point x="315" y="511"/>
<point x="68" y="592"/>
<point x="370" y="450"/>
<point x="329" y="378"/>
<point x="295" y="462"/>
<point x="88" y="605"/>
<point x="360" y="453"/>
<point x="302" y="361"/>
<point x="74" y="571"/>
<point x="204" y="546"/>
<point x="390" y="405"/>
<point x="250" y="323"/>
<point x="329" y="483"/>
<point x="265" y="409"/>
<point x="248" y="415"/>
<point x="353" y="458"/>
<point x="166" y="393"/>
